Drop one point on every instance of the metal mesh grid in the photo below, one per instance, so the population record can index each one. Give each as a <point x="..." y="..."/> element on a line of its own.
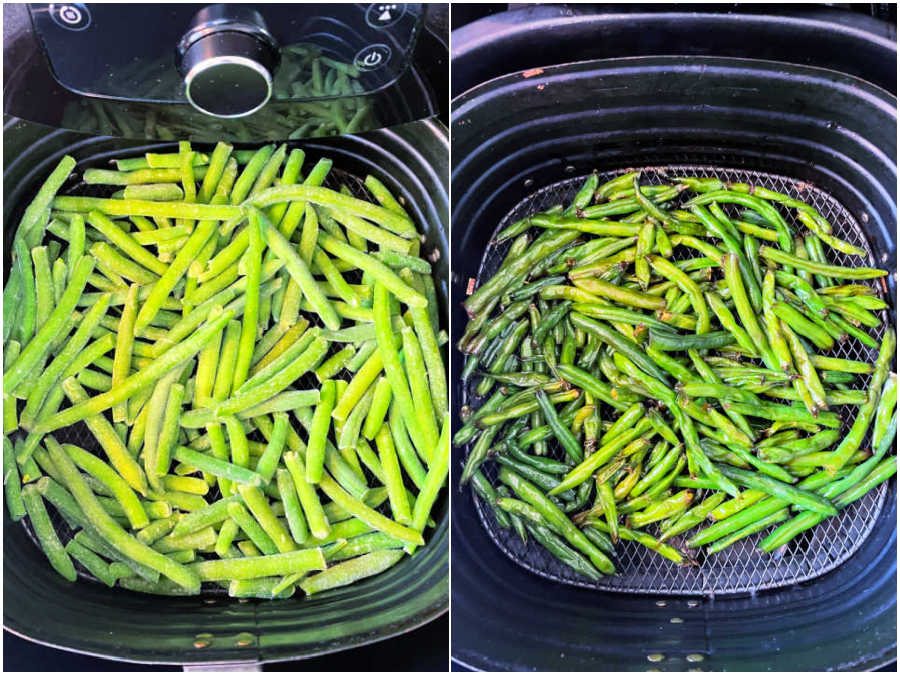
<point x="79" y="434"/>
<point x="741" y="567"/>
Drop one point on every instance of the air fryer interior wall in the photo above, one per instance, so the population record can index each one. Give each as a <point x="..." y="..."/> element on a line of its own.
<point x="517" y="133"/>
<point x="87" y="617"/>
<point x="536" y="35"/>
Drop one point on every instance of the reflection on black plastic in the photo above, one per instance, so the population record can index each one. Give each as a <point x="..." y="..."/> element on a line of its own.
<point x="339" y="72"/>
<point x="110" y="57"/>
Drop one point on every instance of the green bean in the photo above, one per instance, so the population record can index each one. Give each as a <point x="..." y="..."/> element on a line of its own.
<point x="305" y="560"/>
<point x="562" y="433"/>
<point x="662" y="509"/>
<point x="745" y="310"/>
<point x="43" y="529"/>
<point x="486" y="491"/>
<point x="36" y="349"/>
<point x="557" y="519"/>
<point x="584" y="380"/>
<point x="776" y="488"/>
<point x="761" y="524"/>
<point x="260" y="539"/>
<point x="381" y="401"/>
<point x="659" y="470"/>
<point x="667" y="340"/>
<point x="312" y="507"/>
<point x="293" y="342"/>
<point x="692" y="517"/>
<point x="521" y="409"/>
<point x="834" y="271"/>
<point x="292" y="510"/>
<point x="371" y="517"/>
<point x="271" y="457"/>
<point x="688" y="286"/>
<point x="112" y="532"/>
<point x="315" y="451"/>
<point x="12" y="483"/>
<point x="364" y="350"/>
<point x="26" y="277"/>
<point x="131" y="506"/>
<point x="212" y="514"/>
<point x="335" y="363"/>
<point x="395" y="372"/>
<point x="170" y="429"/>
<point x="92" y="562"/>
<point x="217" y="467"/>
<point x="43" y="281"/>
<point x="883" y="471"/>
<point x="417" y="377"/>
<point x="802" y="325"/>
<point x="262" y="512"/>
<point x="159" y="367"/>
<point x="867" y="411"/>
<point x="393" y="478"/>
<point x="351" y="571"/>
<point x="619" y="343"/>
<point x="886" y="406"/>
<point x="539" y="250"/>
<point x="63" y="359"/>
<point x="118" y="455"/>
<point x="434" y="479"/>
<point x="297" y="268"/>
<point x="304" y="362"/>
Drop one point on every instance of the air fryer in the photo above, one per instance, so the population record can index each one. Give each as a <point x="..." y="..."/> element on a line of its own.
<point x="233" y="72"/>
<point x="403" y="143"/>
<point x="525" y="139"/>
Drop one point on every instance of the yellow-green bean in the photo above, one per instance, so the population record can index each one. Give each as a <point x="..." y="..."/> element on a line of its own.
<point x="113" y="533"/>
<point x="309" y="500"/>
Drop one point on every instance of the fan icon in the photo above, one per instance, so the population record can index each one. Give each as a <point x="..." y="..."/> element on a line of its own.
<point x="386" y="12"/>
<point x="382" y="15"/>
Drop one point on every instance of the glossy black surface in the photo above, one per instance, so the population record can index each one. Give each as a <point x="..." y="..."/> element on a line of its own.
<point x="517" y="133"/>
<point x="405" y="79"/>
<point x="98" y="58"/>
<point x="422" y="650"/>
<point x="543" y="35"/>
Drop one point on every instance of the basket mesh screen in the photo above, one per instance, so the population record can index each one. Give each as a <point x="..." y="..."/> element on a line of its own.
<point x="78" y="434"/>
<point x="740" y="567"/>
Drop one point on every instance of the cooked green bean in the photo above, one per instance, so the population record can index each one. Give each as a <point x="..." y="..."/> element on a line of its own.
<point x="618" y="335"/>
<point x="834" y="271"/>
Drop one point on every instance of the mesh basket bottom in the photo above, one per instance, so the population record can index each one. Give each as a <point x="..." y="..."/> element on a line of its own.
<point x="740" y="568"/>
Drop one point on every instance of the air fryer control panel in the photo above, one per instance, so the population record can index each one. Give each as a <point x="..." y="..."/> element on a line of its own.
<point x="135" y="51"/>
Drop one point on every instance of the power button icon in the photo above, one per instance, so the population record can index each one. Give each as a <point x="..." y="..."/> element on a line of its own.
<point x="71" y="16"/>
<point x="372" y="57"/>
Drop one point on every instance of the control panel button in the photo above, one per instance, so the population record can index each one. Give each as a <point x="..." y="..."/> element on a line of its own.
<point x="71" y="16"/>
<point x="372" y="57"/>
<point x="382" y="14"/>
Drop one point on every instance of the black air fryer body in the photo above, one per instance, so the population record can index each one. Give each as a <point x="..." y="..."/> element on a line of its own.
<point x="412" y="160"/>
<point x="519" y="132"/>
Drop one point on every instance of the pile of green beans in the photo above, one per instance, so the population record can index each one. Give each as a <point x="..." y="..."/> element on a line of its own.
<point x="650" y="358"/>
<point x="258" y="359"/>
<point x="313" y="96"/>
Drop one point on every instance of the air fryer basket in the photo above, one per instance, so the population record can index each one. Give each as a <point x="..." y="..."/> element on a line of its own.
<point x="525" y="141"/>
<point x="740" y="567"/>
<point x="91" y="618"/>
